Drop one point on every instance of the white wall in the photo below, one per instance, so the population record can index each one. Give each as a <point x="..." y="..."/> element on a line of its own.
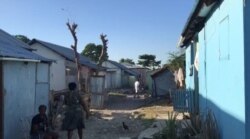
<point x="57" y="69"/>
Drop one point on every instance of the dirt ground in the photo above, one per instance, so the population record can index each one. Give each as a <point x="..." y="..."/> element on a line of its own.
<point x="137" y="113"/>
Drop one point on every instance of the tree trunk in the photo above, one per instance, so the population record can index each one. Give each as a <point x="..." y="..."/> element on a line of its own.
<point x="72" y="29"/>
<point x="84" y="96"/>
<point x="104" y="49"/>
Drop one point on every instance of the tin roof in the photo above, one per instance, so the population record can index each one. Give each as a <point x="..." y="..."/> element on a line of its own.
<point x="133" y="73"/>
<point x="196" y="20"/>
<point x="159" y="71"/>
<point x="67" y="53"/>
<point x="10" y="47"/>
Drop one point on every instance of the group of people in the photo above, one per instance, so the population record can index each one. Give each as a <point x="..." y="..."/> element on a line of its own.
<point x="74" y="117"/>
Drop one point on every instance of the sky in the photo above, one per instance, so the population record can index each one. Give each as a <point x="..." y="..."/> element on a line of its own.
<point x="133" y="27"/>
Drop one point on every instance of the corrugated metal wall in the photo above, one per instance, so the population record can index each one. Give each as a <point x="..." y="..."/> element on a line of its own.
<point x="163" y="83"/>
<point x="57" y="68"/>
<point x="42" y="85"/>
<point x="125" y="80"/>
<point x="19" y="95"/>
<point x="97" y="91"/>
<point x="115" y="77"/>
<point x="26" y="86"/>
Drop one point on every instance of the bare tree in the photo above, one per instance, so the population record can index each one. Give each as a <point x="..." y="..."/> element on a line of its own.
<point x="85" y="103"/>
<point x="72" y="29"/>
<point x="104" y="49"/>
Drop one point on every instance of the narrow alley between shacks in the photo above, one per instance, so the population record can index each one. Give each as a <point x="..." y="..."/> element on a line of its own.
<point x="138" y="114"/>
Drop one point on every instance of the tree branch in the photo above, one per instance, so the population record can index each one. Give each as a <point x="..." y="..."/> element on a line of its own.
<point x="104" y="48"/>
<point x="72" y="29"/>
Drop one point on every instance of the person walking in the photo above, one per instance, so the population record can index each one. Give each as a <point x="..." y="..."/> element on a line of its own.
<point x="137" y="88"/>
<point x="74" y="118"/>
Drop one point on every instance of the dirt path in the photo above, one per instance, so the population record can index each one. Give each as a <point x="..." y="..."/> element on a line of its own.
<point x="138" y="114"/>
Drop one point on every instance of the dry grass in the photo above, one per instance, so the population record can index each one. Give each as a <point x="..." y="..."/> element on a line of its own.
<point x="156" y="110"/>
<point x="116" y="94"/>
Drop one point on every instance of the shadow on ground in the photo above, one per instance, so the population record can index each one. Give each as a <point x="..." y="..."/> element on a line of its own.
<point x="137" y="113"/>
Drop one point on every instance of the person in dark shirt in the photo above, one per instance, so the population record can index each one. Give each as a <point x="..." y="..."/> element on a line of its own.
<point x="74" y="118"/>
<point x="39" y="126"/>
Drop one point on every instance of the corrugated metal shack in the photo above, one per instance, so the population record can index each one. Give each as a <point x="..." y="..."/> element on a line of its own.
<point x="163" y="82"/>
<point x="24" y="84"/>
<point x="63" y="70"/>
<point x="118" y="76"/>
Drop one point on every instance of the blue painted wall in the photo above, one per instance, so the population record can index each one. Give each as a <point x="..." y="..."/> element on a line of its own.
<point x="202" y="72"/>
<point x="221" y="70"/>
<point x="247" y="65"/>
<point x="189" y="80"/>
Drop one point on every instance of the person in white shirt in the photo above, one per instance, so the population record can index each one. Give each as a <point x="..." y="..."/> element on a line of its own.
<point x="137" y="87"/>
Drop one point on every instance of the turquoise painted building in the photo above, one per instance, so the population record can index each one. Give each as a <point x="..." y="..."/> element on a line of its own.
<point x="217" y="42"/>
